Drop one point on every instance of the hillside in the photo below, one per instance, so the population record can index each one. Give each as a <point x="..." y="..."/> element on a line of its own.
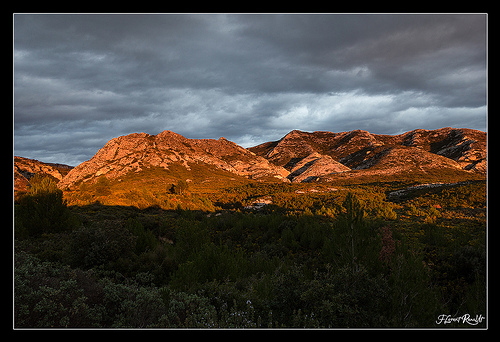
<point x="459" y="152"/>
<point x="141" y="162"/>
<point x="25" y="168"/>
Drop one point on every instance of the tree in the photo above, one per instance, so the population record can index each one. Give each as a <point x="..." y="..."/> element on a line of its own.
<point x="42" y="185"/>
<point x="354" y="210"/>
<point x="179" y="188"/>
<point x="42" y="209"/>
<point x="354" y="216"/>
<point x="145" y="240"/>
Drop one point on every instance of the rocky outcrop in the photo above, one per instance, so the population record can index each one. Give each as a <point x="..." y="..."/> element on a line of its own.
<point x="138" y="151"/>
<point x="313" y="166"/>
<point x="465" y="146"/>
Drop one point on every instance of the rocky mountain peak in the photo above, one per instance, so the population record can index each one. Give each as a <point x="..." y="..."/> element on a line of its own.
<point x="140" y="151"/>
<point x="294" y="134"/>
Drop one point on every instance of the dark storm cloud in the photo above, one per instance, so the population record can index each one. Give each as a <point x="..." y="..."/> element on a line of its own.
<point x="80" y="80"/>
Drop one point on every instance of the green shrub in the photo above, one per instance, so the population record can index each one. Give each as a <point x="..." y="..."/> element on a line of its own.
<point x="49" y="295"/>
<point x="210" y="263"/>
<point x="145" y="239"/>
<point x="100" y="243"/>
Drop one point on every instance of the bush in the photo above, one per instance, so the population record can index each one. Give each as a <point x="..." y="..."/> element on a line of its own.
<point x="179" y="188"/>
<point x="345" y="299"/>
<point x="190" y="237"/>
<point x="414" y="302"/>
<point x="145" y="240"/>
<point x="210" y="263"/>
<point x="341" y="298"/>
<point x="48" y="295"/>
<point x="100" y="243"/>
<point x="184" y="310"/>
<point x="469" y="262"/>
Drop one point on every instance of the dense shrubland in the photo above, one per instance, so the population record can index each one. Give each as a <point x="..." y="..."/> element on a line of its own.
<point x="331" y="258"/>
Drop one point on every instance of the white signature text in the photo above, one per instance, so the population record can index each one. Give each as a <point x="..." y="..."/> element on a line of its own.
<point x="466" y="318"/>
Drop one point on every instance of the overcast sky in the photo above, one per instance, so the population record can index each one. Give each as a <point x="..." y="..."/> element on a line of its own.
<point x="81" y="80"/>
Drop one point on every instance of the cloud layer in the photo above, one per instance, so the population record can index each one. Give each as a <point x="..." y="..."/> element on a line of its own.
<point x="80" y="80"/>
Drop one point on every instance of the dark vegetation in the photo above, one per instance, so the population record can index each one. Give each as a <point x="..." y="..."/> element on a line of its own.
<point x="321" y="255"/>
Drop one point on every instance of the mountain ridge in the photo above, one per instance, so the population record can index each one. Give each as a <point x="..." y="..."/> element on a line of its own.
<point x="297" y="157"/>
<point x="423" y="150"/>
<point x="138" y="151"/>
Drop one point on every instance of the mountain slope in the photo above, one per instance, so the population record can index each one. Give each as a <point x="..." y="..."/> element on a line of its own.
<point x="25" y="168"/>
<point x="138" y="152"/>
<point x="313" y="165"/>
<point x="465" y="146"/>
<point x="423" y="151"/>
